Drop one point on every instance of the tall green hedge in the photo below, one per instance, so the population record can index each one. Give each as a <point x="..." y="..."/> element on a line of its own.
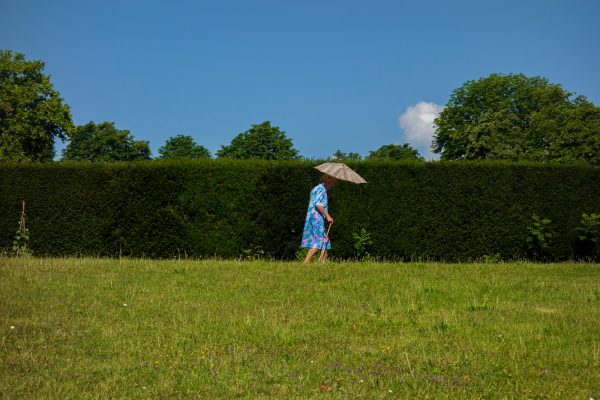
<point x="204" y="208"/>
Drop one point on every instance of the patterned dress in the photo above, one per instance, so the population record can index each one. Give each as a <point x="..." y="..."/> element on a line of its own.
<point x="313" y="236"/>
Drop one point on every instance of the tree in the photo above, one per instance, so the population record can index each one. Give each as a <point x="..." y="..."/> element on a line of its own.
<point x="32" y="113"/>
<point x="515" y="117"/>
<point x="183" y="146"/>
<point x="261" y="141"/>
<point x="579" y="132"/>
<point x="341" y="156"/>
<point x="396" y="152"/>
<point x="103" y="142"/>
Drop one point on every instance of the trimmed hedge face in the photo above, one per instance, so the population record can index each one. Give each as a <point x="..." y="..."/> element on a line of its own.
<point x="204" y="208"/>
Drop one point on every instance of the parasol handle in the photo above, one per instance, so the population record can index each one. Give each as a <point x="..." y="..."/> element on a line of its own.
<point x="325" y="241"/>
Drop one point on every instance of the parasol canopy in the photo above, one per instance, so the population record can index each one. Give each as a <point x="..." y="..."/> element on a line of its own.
<point x="341" y="171"/>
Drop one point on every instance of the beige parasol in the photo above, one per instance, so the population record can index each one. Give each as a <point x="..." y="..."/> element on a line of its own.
<point x="340" y="171"/>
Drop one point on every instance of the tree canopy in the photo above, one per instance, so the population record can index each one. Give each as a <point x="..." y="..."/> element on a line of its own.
<point x="104" y="142"/>
<point x="183" y="146"/>
<point x="515" y="117"/>
<point x="32" y="113"/>
<point x="261" y="141"/>
<point x="341" y="156"/>
<point x="396" y="152"/>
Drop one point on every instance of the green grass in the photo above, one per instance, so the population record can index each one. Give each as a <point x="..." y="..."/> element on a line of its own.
<point x="95" y="328"/>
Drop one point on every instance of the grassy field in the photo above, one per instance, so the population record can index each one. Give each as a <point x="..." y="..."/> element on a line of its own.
<point x="94" y="328"/>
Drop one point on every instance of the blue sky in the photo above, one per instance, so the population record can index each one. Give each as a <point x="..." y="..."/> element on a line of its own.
<point x="349" y="75"/>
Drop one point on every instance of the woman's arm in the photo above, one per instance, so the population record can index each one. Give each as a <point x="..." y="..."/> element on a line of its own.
<point x="325" y="213"/>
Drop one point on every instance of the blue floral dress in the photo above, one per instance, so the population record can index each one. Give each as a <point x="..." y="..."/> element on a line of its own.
<point x="313" y="236"/>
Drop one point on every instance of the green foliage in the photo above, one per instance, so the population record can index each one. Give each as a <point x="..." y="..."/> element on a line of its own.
<point x="301" y="254"/>
<point x="253" y="253"/>
<point x="340" y="156"/>
<point x="206" y="208"/>
<point x="540" y="237"/>
<point x="32" y="113"/>
<point x="20" y="243"/>
<point x="21" y="240"/>
<point x="362" y="244"/>
<point x="104" y="142"/>
<point x="588" y="236"/>
<point x="515" y="117"/>
<point x="589" y="228"/>
<point x="491" y="258"/>
<point x="183" y="146"/>
<point x="396" y="152"/>
<point x="261" y="141"/>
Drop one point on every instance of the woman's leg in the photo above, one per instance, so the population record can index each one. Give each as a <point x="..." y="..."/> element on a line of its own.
<point x="309" y="255"/>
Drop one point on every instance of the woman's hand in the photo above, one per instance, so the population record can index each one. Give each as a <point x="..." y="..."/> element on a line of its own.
<point x="324" y="213"/>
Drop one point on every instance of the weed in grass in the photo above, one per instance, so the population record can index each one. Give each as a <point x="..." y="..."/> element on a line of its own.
<point x="482" y="304"/>
<point x="491" y="259"/>
<point x="441" y="328"/>
<point x="253" y="253"/>
<point x="362" y="244"/>
<point x="21" y="241"/>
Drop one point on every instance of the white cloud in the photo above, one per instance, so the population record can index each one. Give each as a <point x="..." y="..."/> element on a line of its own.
<point x="418" y="126"/>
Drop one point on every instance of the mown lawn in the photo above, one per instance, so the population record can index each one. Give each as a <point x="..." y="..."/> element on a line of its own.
<point x="98" y="328"/>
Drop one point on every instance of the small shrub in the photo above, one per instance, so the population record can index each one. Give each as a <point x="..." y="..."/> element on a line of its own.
<point x="491" y="259"/>
<point x="587" y="236"/>
<point x="362" y="243"/>
<point x="540" y="237"/>
<point x="253" y="253"/>
<point x="21" y="241"/>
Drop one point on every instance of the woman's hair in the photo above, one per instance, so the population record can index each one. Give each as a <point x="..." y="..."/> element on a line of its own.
<point x="326" y="177"/>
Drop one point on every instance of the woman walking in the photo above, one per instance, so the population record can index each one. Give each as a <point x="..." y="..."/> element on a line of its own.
<point x="314" y="236"/>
